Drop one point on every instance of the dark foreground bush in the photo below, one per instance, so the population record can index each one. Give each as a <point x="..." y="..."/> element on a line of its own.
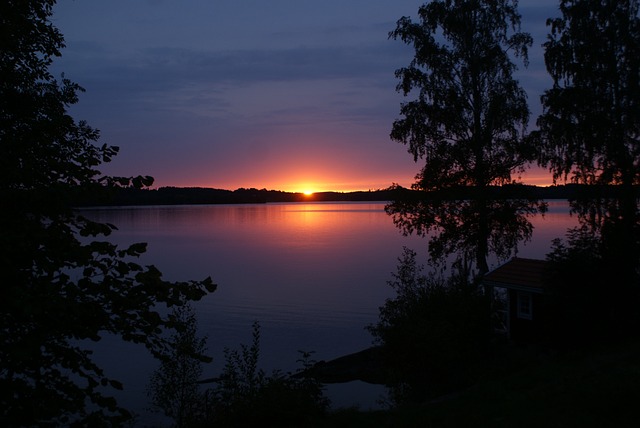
<point x="433" y="332"/>
<point x="246" y="396"/>
<point x="593" y="293"/>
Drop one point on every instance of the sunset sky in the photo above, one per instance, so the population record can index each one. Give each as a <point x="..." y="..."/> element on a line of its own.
<point x="289" y="95"/>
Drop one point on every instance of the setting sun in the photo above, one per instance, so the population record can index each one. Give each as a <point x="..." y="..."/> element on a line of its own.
<point x="308" y="192"/>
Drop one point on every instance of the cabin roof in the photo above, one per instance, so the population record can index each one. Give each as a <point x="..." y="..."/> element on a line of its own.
<point x="519" y="274"/>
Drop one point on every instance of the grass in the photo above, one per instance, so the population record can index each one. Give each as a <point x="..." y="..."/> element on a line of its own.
<point x="526" y="388"/>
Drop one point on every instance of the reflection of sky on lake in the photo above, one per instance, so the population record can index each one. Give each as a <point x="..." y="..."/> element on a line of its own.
<point x="553" y="224"/>
<point x="313" y="275"/>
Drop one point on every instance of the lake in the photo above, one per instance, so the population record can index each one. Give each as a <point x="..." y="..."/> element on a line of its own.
<point x="312" y="274"/>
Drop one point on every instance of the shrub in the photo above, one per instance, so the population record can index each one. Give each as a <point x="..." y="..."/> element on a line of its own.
<point x="432" y="333"/>
<point x="173" y="387"/>
<point x="247" y="396"/>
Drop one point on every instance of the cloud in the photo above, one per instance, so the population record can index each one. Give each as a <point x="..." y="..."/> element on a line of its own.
<point x="265" y="85"/>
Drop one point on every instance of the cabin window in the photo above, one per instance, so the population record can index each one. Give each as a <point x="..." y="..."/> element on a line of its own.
<point x="525" y="304"/>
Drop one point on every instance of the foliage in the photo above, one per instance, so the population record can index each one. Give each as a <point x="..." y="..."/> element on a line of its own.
<point x="616" y="220"/>
<point x="61" y="286"/>
<point x="469" y="114"/>
<point x="433" y="331"/>
<point x="173" y="387"/>
<point x="247" y="396"/>
<point x="589" y="131"/>
<point x="589" y="126"/>
<point x="592" y="294"/>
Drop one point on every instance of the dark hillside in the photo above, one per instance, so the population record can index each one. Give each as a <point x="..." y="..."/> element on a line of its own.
<point x="203" y="195"/>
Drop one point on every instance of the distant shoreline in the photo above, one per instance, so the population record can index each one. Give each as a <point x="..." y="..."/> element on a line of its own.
<point x="211" y="196"/>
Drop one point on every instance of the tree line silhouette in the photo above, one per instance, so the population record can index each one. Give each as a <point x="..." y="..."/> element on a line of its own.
<point x="131" y="195"/>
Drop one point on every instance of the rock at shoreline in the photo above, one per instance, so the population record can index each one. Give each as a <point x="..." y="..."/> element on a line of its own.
<point x="366" y="366"/>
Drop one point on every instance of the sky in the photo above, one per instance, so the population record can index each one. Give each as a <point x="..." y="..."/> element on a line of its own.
<point x="293" y="95"/>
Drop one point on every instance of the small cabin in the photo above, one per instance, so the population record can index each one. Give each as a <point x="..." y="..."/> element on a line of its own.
<point x="520" y="306"/>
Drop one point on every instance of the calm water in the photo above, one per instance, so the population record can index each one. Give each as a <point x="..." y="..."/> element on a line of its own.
<point x="313" y="275"/>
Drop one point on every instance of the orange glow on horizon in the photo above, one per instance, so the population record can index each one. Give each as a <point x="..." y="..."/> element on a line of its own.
<point x="536" y="176"/>
<point x="312" y="179"/>
<point x="532" y="177"/>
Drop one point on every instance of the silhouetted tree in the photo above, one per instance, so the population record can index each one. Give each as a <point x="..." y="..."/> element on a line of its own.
<point x="60" y="286"/>
<point x="589" y="126"/>
<point x="469" y="114"/>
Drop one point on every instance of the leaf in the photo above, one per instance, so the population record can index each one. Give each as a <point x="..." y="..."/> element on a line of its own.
<point x="137" y="249"/>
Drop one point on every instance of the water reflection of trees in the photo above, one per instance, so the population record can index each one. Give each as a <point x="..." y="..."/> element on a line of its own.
<point x="467" y="231"/>
<point x="615" y="222"/>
